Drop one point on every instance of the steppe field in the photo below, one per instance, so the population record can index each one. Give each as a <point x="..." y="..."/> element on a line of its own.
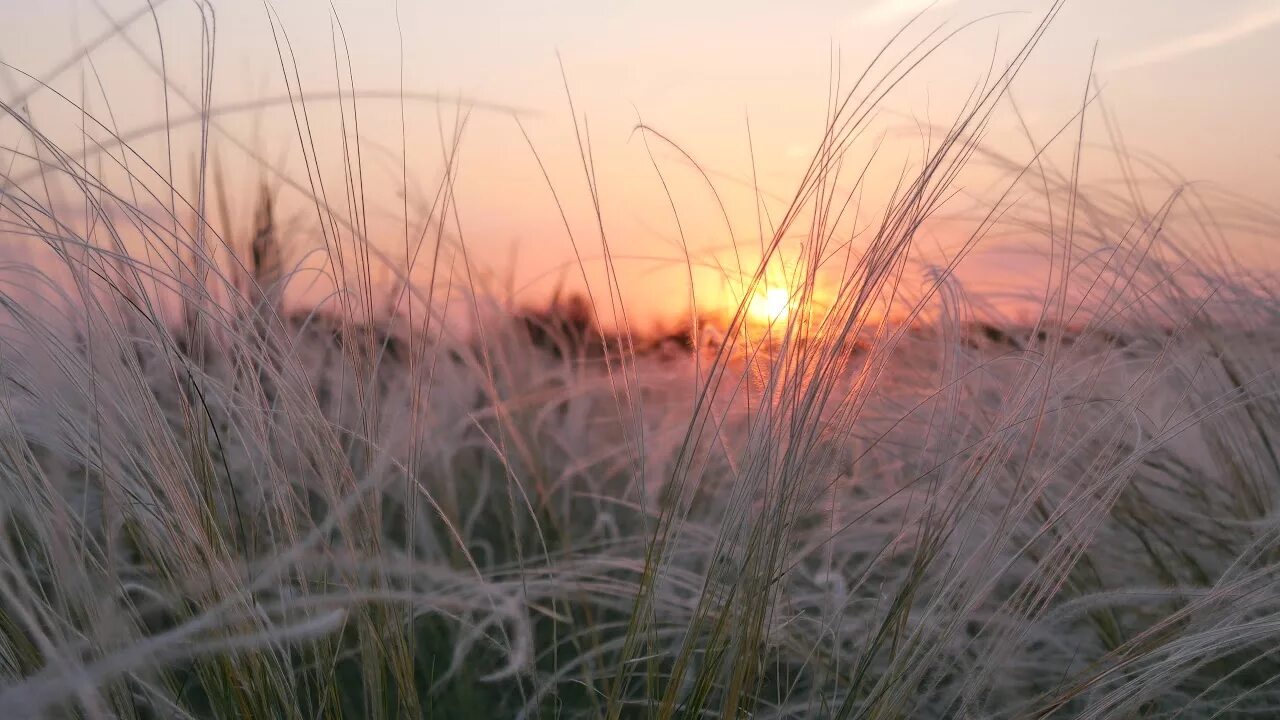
<point x="971" y="420"/>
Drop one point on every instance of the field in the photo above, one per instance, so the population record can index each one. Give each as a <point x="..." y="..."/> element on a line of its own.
<point x="872" y="498"/>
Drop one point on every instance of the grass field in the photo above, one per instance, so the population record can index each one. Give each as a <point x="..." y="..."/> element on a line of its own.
<point x="870" y="500"/>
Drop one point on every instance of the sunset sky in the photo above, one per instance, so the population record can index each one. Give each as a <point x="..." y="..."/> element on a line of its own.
<point x="1190" y="82"/>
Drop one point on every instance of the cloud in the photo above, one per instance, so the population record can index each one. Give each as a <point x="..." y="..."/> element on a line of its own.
<point x="883" y="12"/>
<point x="1213" y="37"/>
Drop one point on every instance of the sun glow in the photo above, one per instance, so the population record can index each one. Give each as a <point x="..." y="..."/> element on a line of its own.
<point x="771" y="305"/>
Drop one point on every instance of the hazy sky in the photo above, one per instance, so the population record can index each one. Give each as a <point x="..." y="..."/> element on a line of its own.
<point x="1191" y="82"/>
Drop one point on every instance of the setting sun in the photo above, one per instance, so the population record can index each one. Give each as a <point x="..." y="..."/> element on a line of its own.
<point x="771" y="305"/>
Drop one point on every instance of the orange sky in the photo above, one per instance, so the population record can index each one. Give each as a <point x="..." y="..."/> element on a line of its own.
<point x="1189" y="82"/>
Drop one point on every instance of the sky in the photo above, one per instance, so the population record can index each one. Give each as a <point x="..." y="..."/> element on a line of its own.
<point x="741" y="87"/>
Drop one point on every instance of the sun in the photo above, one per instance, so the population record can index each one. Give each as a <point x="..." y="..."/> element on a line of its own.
<point x="770" y="306"/>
